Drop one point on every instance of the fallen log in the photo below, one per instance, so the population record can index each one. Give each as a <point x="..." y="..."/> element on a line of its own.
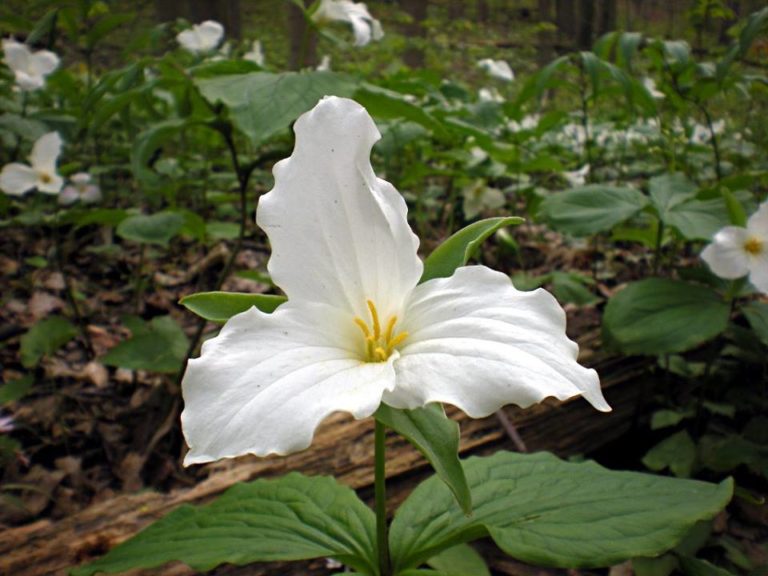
<point x="343" y="447"/>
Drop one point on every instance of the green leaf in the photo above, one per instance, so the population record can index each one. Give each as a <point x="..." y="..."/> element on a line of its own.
<point x="677" y="452"/>
<point x="221" y="306"/>
<point x="697" y="567"/>
<point x="387" y="104"/>
<point x="15" y="389"/>
<point x="146" y="145"/>
<point x="437" y="437"/>
<point x="756" y="314"/>
<point x="44" y="338"/>
<point x="292" y="518"/>
<point x="461" y="246"/>
<point x="699" y="219"/>
<point x="159" y="345"/>
<point x="547" y="512"/>
<point x="570" y="287"/>
<point x="591" y="209"/>
<point x="461" y="560"/>
<point x="151" y="229"/>
<point x="261" y="104"/>
<point x="669" y="190"/>
<point x="659" y="316"/>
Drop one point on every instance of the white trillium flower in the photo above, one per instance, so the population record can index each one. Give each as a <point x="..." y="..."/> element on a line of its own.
<point x="650" y="85"/>
<point x="489" y="95"/>
<point x="256" y="53"/>
<point x="577" y="177"/>
<point x="201" y="38"/>
<point x="736" y="251"/>
<point x="358" y="329"/>
<point x="17" y="179"/>
<point x="479" y="197"/>
<point x="29" y="68"/>
<point x="81" y="189"/>
<point x="325" y="64"/>
<point x="364" y="26"/>
<point x="497" y="68"/>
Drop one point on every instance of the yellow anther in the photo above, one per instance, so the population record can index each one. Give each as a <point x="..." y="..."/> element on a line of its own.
<point x="378" y="346"/>
<point x="45" y="178"/>
<point x="363" y="326"/>
<point x="375" y="318"/>
<point x="753" y="246"/>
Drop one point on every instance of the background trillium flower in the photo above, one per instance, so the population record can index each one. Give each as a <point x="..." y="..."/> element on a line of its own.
<point x="357" y="330"/>
<point x="202" y="37"/>
<point x="81" y="189"/>
<point x="497" y="68"/>
<point x="17" y="179"/>
<point x="29" y="68"/>
<point x="256" y="53"/>
<point x="364" y="26"/>
<point x="736" y="251"/>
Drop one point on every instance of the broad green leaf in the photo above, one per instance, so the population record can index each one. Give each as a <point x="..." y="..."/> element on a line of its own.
<point x="221" y="306"/>
<point x="548" y="512"/>
<point x="666" y="418"/>
<point x="697" y="567"/>
<point x="757" y="316"/>
<point x="437" y="437"/>
<point x="591" y="209"/>
<point x="570" y="287"/>
<point x="699" y="219"/>
<point x="461" y="246"/>
<point x="151" y="229"/>
<point x="383" y="103"/>
<point x="44" y="338"/>
<point x="261" y="104"/>
<point x="677" y="452"/>
<point x="292" y="518"/>
<point x="659" y="316"/>
<point x="664" y="565"/>
<point x="669" y="190"/>
<point x="146" y="144"/>
<point x="159" y="345"/>
<point x="461" y="560"/>
<point x="15" y="389"/>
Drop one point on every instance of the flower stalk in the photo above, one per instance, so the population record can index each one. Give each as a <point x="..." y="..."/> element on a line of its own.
<point x="380" y="496"/>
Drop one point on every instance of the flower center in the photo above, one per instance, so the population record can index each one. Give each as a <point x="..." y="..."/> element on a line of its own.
<point x="45" y="178"/>
<point x="753" y="246"/>
<point x="379" y="344"/>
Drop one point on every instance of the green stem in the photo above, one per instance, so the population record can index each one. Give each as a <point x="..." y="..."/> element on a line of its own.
<point x="380" y="491"/>
<point x="657" y="251"/>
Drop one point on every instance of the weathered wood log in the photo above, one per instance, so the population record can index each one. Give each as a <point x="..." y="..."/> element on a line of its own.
<point x="344" y="448"/>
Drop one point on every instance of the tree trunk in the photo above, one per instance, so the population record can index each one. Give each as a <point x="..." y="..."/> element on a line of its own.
<point x="586" y="24"/>
<point x="607" y="17"/>
<point x="566" y="19"/>
<point x="226" y="12"/>
<point x="303" y="41"/>
<point x="545" y="37"/>
<point x="415" y="32"/>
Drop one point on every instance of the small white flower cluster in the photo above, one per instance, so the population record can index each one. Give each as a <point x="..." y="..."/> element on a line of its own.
<point x="16" y="178"/>
<point x="364" y="26"/>
<point x="497" y="68"/>
<point x="29" y="68"/>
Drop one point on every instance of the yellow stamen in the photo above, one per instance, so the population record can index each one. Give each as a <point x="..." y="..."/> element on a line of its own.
<point x="753" y="246"/>
<point x="45" y="178"/>
<point x="375" y="318"/>
<point x="378" y="346"/>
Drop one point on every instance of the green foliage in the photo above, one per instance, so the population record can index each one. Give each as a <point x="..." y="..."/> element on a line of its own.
<point x="15" y="389"/>
<point x="437" y="437"/>
<point x="461" y="560"/>
<point x="459" y="248"/>
<point x="262" y="104"/>
<point x="552" y="513"/>
<point x="591" y="209"/>
<point x="159" y="345"/>
<point x="151" y="229"/>
<point x="44" y="338"/>
<point x="292" y="518"/>
<point x="221" y="306"/>
<point x="659" y="316"/>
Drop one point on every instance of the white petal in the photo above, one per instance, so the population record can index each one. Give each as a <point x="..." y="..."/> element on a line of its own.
<point x="43" y="62"/>
<point x="758" y="222"/>
<point x="45" y="152"/>
<point x="51" y="185"/>
<point x="91" y="194"/>
<point x="339" y="234"/>
<point x="16" y="179"/>
<point x="758" y="270"/>
<point x="210" y="33"/>
<point x="16" y="55"/>
<point x="68" y="196"/>
<point x="362" y="30"/>
<point x="266" y="381"/>
<point x="28" y="82"/>
<point x="190" y="41"/>
<point x="476" y="342"/>
<point x="726" y="256"/>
